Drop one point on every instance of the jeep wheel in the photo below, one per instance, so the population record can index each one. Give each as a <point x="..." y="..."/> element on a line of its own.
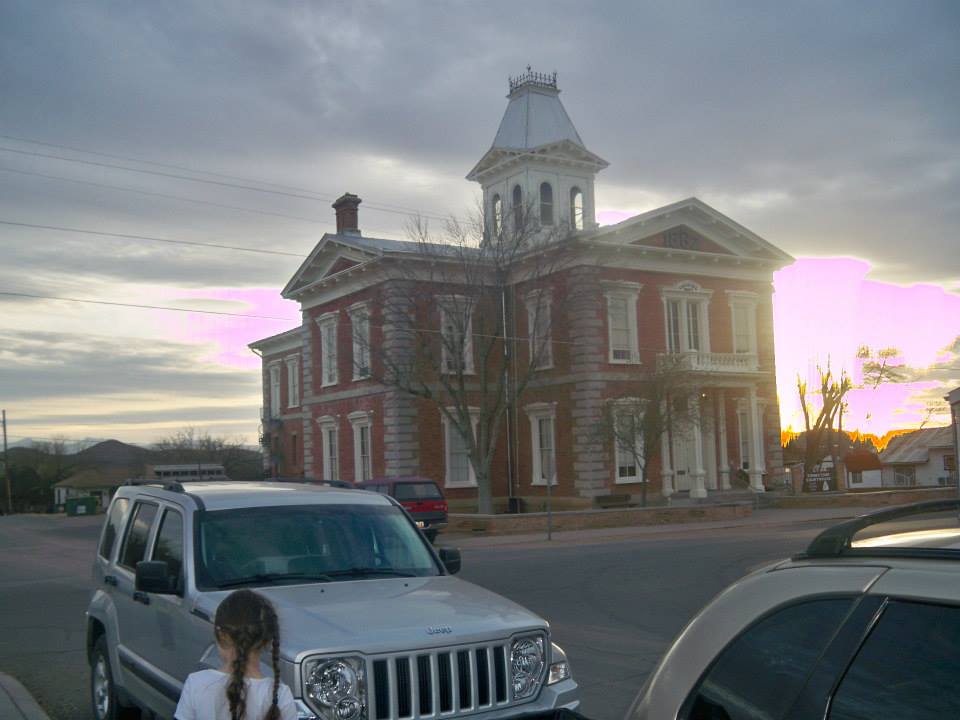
<point x="103" y="692"/>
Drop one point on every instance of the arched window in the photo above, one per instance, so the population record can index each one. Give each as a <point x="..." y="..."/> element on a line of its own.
<point x="517" y="208"/>
<point x="576" y="208"/>
<point x="546" y="204"/>
<point x="497" y="216"/>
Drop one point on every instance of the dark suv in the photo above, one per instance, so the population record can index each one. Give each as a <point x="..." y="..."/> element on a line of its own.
<point x="419" y="496"/>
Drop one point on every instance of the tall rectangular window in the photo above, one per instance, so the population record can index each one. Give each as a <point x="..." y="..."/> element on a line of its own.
<point x="274" y="391"/>
<point x="456" y="328"/>
<point x="543" y="444"/>
<point x="743" y="317"/>
<point x="362" y="446"/>
<point x="293" y="382"/>
<point x="360" y="319"/>
<point x="622" y="321"/>
<point x="330" y="445"/>
<point x="328" y="349"/>
<point x="628" y="442"/>
<point x="686" y="316"/>
<point x="538" y="326"/>
<point x="459" y="469"/>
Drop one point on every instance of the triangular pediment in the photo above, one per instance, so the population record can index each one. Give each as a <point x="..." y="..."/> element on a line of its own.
<point x="692" y="226"/>
<point x="681" y="237"/>
<point x="331" y="256"/>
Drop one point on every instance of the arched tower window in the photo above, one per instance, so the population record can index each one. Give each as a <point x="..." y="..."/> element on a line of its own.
<point x="576" y="208"/>
<point x="546" y="204"/>
<point x="497" y="216"/>
<point x="517" y="208"/>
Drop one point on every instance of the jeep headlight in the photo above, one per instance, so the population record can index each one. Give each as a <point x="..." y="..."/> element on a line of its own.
<point x="527" y="660"/>
<point x="336" y="687"/>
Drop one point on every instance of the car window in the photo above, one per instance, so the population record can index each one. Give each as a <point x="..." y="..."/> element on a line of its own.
<point x="416" y="491"/>
<point x="138" y="531"/>
<point x="311" y="542"/>
<point x="169" y="545"/>
<point x="118" y="510"/>
<point x="907" y="668"/>
<point x="760" y="674"/>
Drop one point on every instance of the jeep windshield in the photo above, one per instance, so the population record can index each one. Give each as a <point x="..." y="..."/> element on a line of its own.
<point x="304" y="544"/>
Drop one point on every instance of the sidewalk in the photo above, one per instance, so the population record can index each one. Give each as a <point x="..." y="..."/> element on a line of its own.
<point x="16" y="703"/>
<point x="767" y="517"/>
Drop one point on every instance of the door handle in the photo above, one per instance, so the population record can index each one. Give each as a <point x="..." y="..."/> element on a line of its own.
<point x="109" y="580"/>
<point x="141" y="597"/>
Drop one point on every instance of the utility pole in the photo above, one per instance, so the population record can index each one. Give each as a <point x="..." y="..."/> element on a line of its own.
<point x="6" y="465"/>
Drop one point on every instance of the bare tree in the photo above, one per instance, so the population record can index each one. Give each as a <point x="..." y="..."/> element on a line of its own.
<point x="663" y="402"/>
<point x="880" y="366"/>
<point x="192" y="445"/>
<point x="832" y="391"/>
<point x="451" y="312"/>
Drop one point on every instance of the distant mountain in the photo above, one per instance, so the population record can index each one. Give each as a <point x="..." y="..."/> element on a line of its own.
<point x="112" y="452"/>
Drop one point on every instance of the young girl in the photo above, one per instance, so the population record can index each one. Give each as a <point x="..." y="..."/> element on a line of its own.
<point x="245" y="625"/>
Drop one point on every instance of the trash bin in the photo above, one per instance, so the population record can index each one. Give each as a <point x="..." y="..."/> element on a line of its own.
<point x="81" y="505"/>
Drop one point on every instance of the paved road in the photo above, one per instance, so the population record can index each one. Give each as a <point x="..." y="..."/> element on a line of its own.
<point x="613" y="604"/>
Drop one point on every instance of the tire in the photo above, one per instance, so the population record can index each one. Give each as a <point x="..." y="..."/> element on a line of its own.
<point x="104" y="699"/>
<point x="431" y="535"/>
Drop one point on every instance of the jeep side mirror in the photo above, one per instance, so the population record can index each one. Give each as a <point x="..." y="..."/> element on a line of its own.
<point x="153" y="576"/>
<point x="450" y="557"/>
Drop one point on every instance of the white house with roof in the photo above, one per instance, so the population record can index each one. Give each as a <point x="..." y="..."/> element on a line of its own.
<point x="924" y="457"/>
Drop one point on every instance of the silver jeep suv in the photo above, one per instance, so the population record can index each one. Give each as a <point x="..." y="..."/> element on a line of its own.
<point x="374" y="626"/>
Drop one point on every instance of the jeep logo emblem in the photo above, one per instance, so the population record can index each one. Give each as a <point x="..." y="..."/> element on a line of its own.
<point x="439" y="630"/>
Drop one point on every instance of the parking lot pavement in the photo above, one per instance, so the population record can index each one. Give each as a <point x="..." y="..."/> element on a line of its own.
<point x="16" y="703"/>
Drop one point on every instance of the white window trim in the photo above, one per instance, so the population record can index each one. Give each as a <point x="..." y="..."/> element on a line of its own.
<point x="326" y="424"/>
<point x="323" y="322"/>
<point x="540" y="300"/>
<point x="456" y="301"/>
<point x="358" y="310"/>
<point x="293" y="380"/>
<point x="358" y="420"/>
<point x="273" y="371"/>
<point x="624" y="404"/>
<point x="686" y="292"/>
<point x="750" y="301"/>
<point x="537" y="412"/>
<point x="447" y="429"/>
<point x="628" y="291"/>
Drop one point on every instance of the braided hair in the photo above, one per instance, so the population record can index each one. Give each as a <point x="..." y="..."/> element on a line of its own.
<point x="249" y="621"/>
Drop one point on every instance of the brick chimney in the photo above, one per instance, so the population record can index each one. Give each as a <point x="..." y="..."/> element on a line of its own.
<point x="347" y="215"/>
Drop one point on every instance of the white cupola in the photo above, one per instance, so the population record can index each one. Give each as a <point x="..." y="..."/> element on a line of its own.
<point x="538" y="162"/>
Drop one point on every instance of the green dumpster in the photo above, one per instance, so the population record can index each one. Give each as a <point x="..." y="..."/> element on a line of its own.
<point x="81" y="505"/>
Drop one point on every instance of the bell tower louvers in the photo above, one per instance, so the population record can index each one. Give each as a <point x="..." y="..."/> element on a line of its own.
<point x="537" y="164"/>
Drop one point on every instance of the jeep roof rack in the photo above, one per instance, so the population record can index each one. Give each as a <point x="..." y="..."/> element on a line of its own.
<point x="838" y="541"/>
<point x="171" y="485"/>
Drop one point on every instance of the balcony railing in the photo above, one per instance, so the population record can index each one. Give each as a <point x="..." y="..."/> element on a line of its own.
<point x="694" y="361"/>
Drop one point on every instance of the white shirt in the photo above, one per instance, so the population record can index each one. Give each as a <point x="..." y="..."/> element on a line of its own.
<point x="204" y="697"/>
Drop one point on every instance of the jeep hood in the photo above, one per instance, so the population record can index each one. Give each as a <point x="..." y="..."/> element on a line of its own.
<point x="386" y="615"/>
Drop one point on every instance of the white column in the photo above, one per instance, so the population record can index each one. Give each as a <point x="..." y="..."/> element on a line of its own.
<point x="697" y="488"/>
<point x="757" y="466"/>
<point x="722" y="439"/>
<point x="666" y="472"/>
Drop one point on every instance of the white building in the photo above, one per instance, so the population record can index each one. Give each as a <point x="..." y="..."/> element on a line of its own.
<point x="921" y="458"/>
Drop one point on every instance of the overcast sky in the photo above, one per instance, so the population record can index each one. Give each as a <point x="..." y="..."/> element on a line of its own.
<point x="831" y="129"/>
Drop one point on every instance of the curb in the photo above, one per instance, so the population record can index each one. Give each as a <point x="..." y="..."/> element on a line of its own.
<point x="16" y="702"/>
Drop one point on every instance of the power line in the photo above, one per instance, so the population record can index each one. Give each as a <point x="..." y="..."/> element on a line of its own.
<point x="221" y="183"/>
<point x="142" y="307"/>
<point x="321" y="196"/>
<point x="195" y="243"/>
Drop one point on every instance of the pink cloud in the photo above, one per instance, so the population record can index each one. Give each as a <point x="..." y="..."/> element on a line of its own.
<point x="825" y="308"/>
<point x="231" y="335"/>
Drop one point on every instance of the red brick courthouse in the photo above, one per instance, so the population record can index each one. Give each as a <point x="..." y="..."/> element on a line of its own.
<point x="682" y="280"/>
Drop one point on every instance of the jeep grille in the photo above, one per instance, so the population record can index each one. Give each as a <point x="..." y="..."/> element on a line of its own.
<point x="438" y="683"/>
